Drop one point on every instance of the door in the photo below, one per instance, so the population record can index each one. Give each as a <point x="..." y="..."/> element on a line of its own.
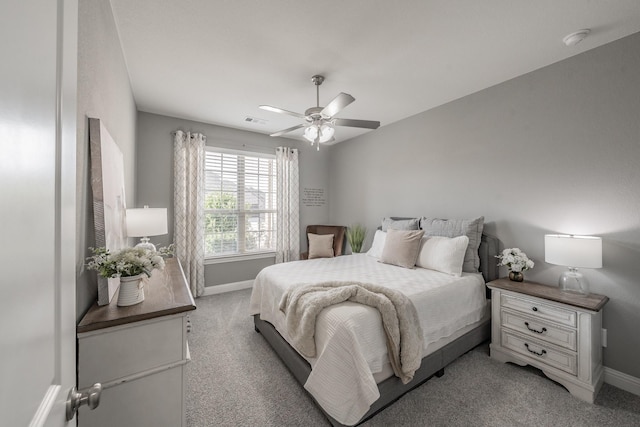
<point x="38" y="47"/>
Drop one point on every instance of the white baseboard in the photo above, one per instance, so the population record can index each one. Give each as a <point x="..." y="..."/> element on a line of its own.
<point x="229" y="287"/>
<point x="622" y="381"/>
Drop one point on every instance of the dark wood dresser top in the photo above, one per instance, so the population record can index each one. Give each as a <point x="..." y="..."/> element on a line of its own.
<point x="166" y="292"/>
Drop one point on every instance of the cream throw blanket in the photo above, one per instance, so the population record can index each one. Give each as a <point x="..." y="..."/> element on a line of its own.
<point x="400" y="322"/>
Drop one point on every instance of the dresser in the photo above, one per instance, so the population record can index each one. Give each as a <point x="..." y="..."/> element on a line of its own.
<point x="138" y="353"/>
<point x="557" y="332"/>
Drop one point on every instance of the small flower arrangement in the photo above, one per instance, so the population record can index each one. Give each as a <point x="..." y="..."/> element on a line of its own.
<point x="515" y="260"/>
<point x="127" y="262"/>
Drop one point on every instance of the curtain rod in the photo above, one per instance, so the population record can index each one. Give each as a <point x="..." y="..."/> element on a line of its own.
<point x="183" y="131"/>
<point x="243" y="145"/>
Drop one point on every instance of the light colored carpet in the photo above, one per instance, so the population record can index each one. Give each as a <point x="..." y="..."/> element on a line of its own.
<point x="235" y="379"/>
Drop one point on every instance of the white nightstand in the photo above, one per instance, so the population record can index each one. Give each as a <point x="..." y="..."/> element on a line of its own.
<point x="557" y="332"/>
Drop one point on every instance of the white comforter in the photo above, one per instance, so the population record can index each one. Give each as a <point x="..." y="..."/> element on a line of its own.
<point x="350" y="341"/>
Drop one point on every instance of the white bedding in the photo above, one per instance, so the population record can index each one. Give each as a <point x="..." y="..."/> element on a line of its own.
<point x="350" y="342"/>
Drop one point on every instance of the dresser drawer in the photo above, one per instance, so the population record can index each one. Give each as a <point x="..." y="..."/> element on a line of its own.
<point x="543" y="352"/>
<point x="539" y="329"/>
<point x="113" y="353"/>
<point x="540" y="311"/>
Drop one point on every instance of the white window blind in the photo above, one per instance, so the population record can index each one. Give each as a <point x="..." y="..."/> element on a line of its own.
<point x="240" y="203"/>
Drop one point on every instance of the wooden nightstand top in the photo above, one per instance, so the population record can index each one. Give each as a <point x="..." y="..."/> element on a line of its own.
<point x="592" y="302"/>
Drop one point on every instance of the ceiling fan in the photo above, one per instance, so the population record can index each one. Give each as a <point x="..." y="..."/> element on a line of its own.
<point x="319" y="122"/>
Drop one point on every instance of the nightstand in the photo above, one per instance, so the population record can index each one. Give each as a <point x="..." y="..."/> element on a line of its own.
<point x="557" y="332"/>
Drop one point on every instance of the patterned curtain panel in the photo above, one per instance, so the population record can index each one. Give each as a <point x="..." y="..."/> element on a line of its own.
<point x="188" y="204"/>
<point x="288" y="230"/>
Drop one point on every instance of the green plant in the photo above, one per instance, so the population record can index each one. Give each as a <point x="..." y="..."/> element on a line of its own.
<point x="355" y="237"/>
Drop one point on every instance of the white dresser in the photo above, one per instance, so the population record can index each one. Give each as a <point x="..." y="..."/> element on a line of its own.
<point x="555" y="331"/>
<point x="138" y="354"/>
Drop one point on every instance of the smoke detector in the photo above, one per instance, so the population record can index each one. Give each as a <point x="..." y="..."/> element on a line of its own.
<point x="575" y="38"/>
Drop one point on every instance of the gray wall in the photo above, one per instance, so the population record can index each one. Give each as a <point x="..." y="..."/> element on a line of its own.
<point x="104" y="92"/>
<point x="154" y="178"/>
<point x="553" y="151"/>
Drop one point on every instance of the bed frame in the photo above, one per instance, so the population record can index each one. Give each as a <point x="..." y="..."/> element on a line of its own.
<point x="392" y="388"/>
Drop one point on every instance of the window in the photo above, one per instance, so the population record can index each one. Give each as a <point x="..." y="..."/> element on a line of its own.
<point x="240" y="203"/>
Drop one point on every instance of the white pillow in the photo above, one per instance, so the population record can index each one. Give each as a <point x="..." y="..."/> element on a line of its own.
<point x="445" y="254"/>
<point x="472" y="228"/>
<point x="320" y="245"/>
<point x="378" y="244"/>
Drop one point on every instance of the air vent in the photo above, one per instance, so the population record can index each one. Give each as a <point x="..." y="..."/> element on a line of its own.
<point x="255" y="120"/>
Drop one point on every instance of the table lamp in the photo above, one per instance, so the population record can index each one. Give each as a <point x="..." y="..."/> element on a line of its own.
<point x="573" y="252"/>
<point x="146" y="222"/>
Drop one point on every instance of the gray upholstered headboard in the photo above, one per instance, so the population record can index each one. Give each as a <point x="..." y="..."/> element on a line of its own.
<point x="487" y="252"/>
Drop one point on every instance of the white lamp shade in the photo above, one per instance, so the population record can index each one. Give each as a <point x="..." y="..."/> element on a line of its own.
<point x="146" y="222"/>
<point x="573" y="251"/>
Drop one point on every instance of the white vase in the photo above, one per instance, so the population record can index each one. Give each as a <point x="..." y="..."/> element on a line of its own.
<point x="131" y="290"/>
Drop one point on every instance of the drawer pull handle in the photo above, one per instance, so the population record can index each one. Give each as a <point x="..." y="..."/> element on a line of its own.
<point x="535" y="309"/>
<point x="535" y="352"/>
<point x="535" y="330"/>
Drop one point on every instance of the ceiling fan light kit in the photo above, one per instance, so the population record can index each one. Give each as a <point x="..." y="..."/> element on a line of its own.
<point x="323" y="133"/>
<point x="319" y="126"/>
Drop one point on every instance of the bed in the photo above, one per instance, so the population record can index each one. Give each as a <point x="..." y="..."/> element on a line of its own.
<point x="350" y="377"/>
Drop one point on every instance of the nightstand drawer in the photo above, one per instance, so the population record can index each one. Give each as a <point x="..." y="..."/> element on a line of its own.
<point x="541" y="311"/>
<point x="539" y="329"/>
<point x="543" y="352"/>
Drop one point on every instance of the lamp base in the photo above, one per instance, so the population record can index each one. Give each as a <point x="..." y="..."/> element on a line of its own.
<point x="573" y="281"/>
<point x="146" y="244"/>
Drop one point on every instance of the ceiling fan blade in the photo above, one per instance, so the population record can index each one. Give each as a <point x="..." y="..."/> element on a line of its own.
<point x="337" y="104"/>
<point x="281" y="111"/>
<point x="291" y="129"/>
<point x="369" y="124"/>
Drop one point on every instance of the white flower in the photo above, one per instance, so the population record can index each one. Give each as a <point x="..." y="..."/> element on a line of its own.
<point x="515" y="260"/>
<point x="158" y="262"/>
<point x="127" y="262"/>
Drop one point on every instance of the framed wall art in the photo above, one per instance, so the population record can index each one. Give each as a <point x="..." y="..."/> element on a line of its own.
<point x="109" y="203"/>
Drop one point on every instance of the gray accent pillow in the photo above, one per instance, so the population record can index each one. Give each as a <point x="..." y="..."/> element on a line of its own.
<point x="401" y="247"/>
<point x="400" y="224"/>
<point x="472" y="228"/>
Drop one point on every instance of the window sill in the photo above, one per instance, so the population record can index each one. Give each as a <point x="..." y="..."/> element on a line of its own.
<point x="235" y="258"/>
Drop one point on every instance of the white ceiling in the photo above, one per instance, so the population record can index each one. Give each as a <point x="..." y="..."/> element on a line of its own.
<point x="215" y="61"/>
